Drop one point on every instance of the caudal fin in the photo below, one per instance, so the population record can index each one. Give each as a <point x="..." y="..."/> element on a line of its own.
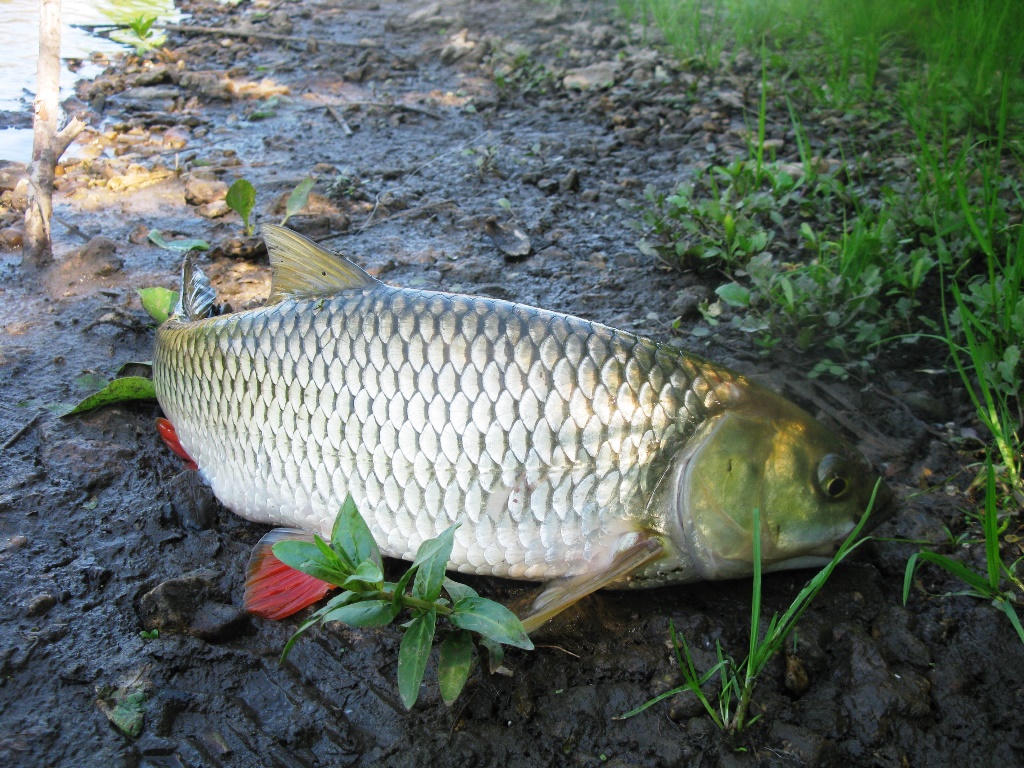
<point x="274" y="590"/>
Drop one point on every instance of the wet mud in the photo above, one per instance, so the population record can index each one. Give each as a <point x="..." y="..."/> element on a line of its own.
<point x="446" y="157"/>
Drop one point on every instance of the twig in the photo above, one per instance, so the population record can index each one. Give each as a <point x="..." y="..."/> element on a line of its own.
<point x="72" y="229"/>
<point x="21" y="432"/>
<point x="345" y="127"/>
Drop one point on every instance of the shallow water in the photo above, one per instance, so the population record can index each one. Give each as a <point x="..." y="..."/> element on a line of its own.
<point x="19" y="40"/>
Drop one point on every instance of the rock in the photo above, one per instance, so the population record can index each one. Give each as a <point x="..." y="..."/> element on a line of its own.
<point x="247" y="247"/>
<point x="193" y="501"/>
<point x="570" y="182"/>
<point x="176" y="137"/>
<point x="547" y="185"/>
<point x="154" y="75"/>
<point x="206" y="84"/>
<point x="313" y="227"/>
<point x="796" y="679"/>
<point x="199" y="190"/>
<point x="600" y="75"/>
<point x="510" y="239"/>
<point x="192" y="605"/>
<point x="94" y="259"/>
<point x="807" y="746"/>
<point x="151" y="93"/>
<point x="40" y="605"/>
<point x="11" y="174"/>
<point x="11" y="238"/>
<point x="214" y="210"/>
<point x="16" y="542"/>
<point x="457" y="46"/>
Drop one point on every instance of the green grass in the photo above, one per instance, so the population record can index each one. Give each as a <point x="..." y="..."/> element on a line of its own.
<point x="737" y="681"/>
<point x="845" y="265"/>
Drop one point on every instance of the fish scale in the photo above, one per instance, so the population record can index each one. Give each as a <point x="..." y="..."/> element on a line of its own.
<point x="544" y="435"/>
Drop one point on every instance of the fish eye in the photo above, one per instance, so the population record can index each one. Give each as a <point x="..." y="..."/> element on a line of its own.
<point x="833" y="476"/>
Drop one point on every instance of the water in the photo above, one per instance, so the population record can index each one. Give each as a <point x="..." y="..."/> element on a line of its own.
<point x="19" y="41"/>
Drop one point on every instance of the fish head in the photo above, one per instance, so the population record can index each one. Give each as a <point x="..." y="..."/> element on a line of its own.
<point x="810" y="486"/>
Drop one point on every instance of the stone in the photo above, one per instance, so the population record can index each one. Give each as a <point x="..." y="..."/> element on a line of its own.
<point x="192" y="605"/>
<point x="600" y="75"/>
<point x="199" y="190"/>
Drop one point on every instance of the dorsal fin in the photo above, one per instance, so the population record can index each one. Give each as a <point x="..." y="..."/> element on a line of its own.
<point x="195" y="301"/>
<point x="300" y="267"/>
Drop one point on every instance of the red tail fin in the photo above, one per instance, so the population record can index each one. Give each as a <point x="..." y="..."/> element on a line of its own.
<point x="170" y="438"/>
<point x="274" y="590"/>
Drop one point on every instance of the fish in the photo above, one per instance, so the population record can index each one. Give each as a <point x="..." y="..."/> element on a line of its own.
<point x="569" y="452"/>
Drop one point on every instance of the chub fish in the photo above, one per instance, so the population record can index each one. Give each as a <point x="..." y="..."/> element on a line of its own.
<point x="571" y="453"/>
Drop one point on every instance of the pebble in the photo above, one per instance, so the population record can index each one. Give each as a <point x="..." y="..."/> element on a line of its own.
<point x="193" y="605"/>
<point x="199" y="190"/>
<point x="16" y="542"/>
<point x="600" y="75"/>
<point x="41" y="605"/>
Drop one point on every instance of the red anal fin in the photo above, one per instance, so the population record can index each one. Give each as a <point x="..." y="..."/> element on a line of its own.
<point x="274" y="590"/>
<point x="170" y="438"/>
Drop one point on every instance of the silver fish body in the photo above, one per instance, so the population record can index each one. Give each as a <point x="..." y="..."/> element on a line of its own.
<point x="554" y="441"/>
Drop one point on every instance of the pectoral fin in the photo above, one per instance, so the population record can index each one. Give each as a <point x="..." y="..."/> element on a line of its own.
<point x="560" y="594"/>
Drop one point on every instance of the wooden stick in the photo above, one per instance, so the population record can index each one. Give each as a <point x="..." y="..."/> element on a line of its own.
<point x="20" y="433"/>
<point x="345" y="127"/>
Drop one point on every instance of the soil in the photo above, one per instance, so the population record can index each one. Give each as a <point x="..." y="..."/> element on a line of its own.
<point x="440" y="148"/>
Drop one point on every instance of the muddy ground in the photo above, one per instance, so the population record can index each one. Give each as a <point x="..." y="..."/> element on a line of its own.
<point x="424" y="138"/>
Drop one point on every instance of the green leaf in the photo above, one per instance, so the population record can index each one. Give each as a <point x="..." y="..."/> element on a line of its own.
<point x="351" y="535"/>
<point x="117" y="391"/>
<point x="366" y="577"/>
<point x="413" y="655"/>
<point x="180" y="246"/>
<point x="495" y="654"/>
<point x="298" y="198"/>
<point x="314" y="558"/>
<point x="734" y="294"/>
<point x="492" y="620"/>
<point x="432" y="561"/>
<point x="366" y="613"/>
<point x="241" y="199"/>
<point x="454" y="664"/>
<point x="457" y="591"/>
<point x="158" y="302"/>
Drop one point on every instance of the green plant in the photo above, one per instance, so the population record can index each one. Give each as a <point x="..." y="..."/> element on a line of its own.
<point x="142" y="36"/>
<point x="181" y="246"/>
<point x="521" y="74"/>
<point x="738" y="680"/>
<point x="987" y="585"/>
<point x="298" y="198"/>
<point x="241" y="199"/>
<point x="353" y="562"/>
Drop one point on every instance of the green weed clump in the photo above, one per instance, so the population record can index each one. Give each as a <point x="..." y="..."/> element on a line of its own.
<point x="839" y="266"/>
<point x="737" y="681"/>
<point x="352" y="562"/>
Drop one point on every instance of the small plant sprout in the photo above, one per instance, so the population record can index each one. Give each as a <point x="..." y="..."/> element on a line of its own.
<point x="738" y="680"/>
<point x="142" y="35"/>
<point x="352" y="562"/>
<point x="298" y="198"/>
<point x="241" y="199"/>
